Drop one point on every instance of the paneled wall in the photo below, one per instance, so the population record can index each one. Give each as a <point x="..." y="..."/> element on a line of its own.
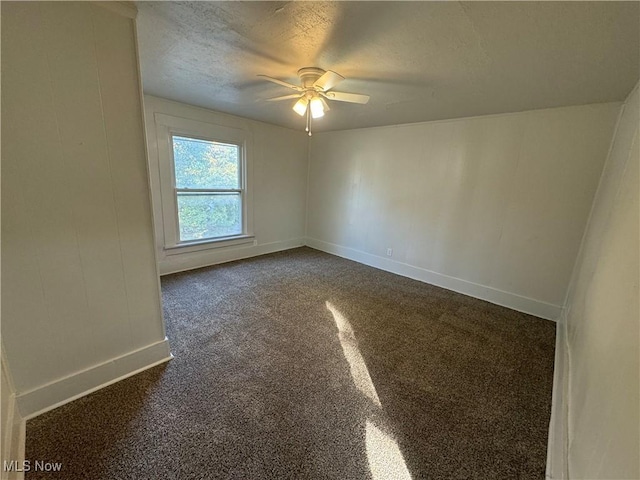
<point x="80" y="292"/>
<point x="491" y="206"/>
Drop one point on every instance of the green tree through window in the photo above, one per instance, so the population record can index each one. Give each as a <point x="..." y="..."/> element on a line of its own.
<point x="208" y="185"/>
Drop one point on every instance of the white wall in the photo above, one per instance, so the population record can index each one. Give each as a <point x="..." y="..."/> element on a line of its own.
<point x="603" y="321"/>
<point x="492" y="206"/>
<point x="80" y="297"/>
<point x="279" y="183"/>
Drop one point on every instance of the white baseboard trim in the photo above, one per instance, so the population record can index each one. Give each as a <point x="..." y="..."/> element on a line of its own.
<point x="489" y="294"/>
<point x="13" y="443"/>
<point x="19" y="441"/>
<point x="557" y="445"/>
<point x="55" y="394"/>
<point x="205" y="258"/>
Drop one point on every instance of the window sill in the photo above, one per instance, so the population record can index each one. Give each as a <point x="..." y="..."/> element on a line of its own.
<point x="188" y="247"/>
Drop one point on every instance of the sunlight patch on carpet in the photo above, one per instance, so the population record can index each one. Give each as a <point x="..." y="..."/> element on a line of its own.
<point x="359" y="370"/>
<point x="385" y="459"/>
<point x="383" y="454"/>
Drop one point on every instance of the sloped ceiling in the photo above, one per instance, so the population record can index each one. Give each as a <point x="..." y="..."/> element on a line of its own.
<point x="418" y="61"/>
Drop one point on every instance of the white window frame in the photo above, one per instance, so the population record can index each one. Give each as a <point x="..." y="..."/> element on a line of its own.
<point x="167" y="127"/>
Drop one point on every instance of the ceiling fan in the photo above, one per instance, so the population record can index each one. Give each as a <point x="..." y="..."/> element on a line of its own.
<point x="316" y="87"/>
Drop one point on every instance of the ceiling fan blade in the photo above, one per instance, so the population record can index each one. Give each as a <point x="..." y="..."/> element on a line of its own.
<point x="280" y="82"/>
<point x="328" y="80"/>
<point x="347" y="97"/>
<point x="283" y="97"/>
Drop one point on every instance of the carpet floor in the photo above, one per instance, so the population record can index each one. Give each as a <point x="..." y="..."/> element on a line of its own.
<point x="303" y="365"/>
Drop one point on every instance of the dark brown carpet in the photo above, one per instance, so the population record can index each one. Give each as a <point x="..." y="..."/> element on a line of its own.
<point x="260" y="386"/>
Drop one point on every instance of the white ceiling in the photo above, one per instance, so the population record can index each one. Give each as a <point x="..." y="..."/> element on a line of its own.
<point x="418" y="61"/>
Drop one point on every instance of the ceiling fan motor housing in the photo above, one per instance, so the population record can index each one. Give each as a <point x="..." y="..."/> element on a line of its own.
<point x="309" y="75"/>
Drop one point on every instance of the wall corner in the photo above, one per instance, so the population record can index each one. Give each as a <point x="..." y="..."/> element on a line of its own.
<point x="558" y="427"/>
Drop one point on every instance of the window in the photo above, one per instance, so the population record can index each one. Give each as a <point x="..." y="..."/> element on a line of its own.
<point x="204" y="172"/>
<point x="208" y="188"/>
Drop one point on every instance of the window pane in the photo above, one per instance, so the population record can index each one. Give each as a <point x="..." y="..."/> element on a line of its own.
<point x="202" y="216"/>
<point x="204" y="164"/>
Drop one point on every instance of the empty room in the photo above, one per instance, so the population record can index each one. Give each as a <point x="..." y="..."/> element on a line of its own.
<point x="320" y="240"/>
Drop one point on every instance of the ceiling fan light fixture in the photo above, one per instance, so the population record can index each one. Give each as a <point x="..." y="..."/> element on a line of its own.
<point x="317" y="108"/>
<point x="301" y="106"/>
<point x="316" y="86"/>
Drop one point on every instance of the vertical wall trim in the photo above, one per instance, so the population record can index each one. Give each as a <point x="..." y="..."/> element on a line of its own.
<point x="143" y="121"/>
<point x="557" y="444"/>
<point x="566" y="392"/>
<point x="14" y="431"/>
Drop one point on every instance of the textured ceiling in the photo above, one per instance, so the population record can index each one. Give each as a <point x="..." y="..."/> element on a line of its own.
<point x="418" y="61"/>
